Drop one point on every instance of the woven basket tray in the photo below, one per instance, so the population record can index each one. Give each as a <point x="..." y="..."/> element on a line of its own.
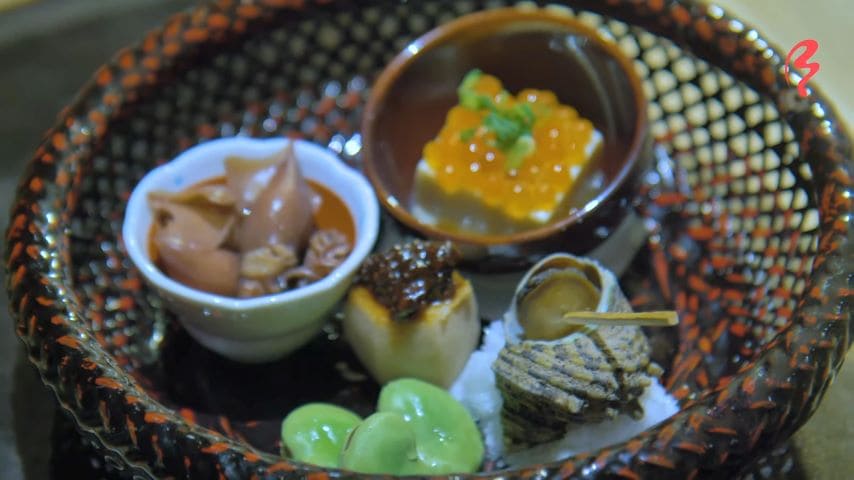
<point x="749" y="217"/>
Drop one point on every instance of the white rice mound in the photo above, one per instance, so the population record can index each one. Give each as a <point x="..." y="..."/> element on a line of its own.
<point x="475" y="389"/>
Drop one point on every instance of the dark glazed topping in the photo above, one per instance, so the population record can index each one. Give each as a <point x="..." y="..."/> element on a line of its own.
<point x="409" y="278"/>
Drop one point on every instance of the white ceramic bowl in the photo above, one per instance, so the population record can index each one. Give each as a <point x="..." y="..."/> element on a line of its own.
<point x="263" y="328"/>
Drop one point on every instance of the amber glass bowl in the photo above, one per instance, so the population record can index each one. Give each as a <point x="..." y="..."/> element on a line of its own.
<point x="524" y="48"/>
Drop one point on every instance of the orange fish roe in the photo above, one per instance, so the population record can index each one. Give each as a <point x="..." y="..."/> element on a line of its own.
<point x="467" y="155"/>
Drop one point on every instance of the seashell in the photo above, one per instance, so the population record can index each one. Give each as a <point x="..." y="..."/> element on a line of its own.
<point x="559" y="284"/>
<point x="553" y="375"/>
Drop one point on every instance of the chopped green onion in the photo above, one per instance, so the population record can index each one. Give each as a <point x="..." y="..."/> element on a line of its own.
<point x="467" y="134"/>
<point x="470" y="80"/>
<point x="524" y="112"/>
<point x="506" y="129"/>
<point x="521" y="149"/>
<point x="475" y="101"/>
<point x="470" y="98"/>
<point x="511" y="126"/>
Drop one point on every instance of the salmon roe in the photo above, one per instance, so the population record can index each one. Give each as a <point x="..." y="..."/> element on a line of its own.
<point x="474" y="163"/>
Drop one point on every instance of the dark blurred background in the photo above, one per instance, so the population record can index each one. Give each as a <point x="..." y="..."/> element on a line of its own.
<point x="48" y="49"/>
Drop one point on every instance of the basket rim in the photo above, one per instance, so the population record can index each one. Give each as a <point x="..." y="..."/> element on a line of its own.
<point x="47" y="316"/>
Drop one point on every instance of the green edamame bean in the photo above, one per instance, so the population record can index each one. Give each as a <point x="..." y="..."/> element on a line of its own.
<point x="316" y="432"/>
<point x="383" y="443"/>
<point x="447" y="438"/>
<point x="419" y="429"/>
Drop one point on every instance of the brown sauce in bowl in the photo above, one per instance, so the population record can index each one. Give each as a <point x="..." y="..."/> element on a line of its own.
<point x="333" y="213"/>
